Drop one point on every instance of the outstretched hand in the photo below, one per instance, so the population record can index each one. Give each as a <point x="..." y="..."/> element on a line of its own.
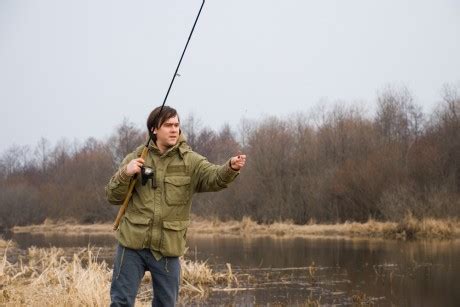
<point x="237" y="162"/>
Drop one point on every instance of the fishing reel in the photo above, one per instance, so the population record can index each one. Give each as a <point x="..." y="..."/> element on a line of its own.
<point x="148" y="173"/>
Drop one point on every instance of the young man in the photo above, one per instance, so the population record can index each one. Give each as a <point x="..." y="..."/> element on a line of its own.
<point x="152" y="232"/>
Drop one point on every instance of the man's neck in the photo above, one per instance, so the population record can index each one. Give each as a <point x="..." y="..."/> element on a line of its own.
<point x="162" y="148"/>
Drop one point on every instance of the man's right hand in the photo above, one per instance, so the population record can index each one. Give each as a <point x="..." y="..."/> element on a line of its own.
<point x="134" y="166"/>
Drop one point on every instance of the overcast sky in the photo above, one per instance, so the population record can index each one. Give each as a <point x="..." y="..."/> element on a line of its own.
<point x="75" y="69"/>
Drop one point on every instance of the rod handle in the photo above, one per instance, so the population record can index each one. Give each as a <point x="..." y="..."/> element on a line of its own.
<point x="123" y="207"/>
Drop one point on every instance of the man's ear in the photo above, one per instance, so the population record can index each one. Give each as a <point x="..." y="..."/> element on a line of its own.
<point x="154" y="131"/>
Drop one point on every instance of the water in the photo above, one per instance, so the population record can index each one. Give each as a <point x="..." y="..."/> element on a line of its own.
<point x="295" y="271"/>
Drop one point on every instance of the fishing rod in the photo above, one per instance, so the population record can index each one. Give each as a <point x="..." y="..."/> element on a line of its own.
<point x="145" y="151"/>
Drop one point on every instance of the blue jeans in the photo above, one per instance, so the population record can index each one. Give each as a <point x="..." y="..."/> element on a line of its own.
<point x="129" y="268"/>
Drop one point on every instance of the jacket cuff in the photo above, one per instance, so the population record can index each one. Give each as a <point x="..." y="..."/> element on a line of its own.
<point x="227" y="174"/>
<point x="123" y="177"/>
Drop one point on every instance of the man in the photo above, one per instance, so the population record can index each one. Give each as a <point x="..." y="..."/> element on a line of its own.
<point x="152" y="232"/>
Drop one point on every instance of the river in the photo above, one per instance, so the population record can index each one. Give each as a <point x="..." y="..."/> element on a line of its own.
<point x="295" y="271"/>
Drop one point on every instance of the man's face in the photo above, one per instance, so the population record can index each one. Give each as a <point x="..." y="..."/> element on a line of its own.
<point x="168" y="133"/>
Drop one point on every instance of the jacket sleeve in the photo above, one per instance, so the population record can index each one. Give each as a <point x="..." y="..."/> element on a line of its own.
<point x="117" y="188"/>
<point x="211" y="177"/>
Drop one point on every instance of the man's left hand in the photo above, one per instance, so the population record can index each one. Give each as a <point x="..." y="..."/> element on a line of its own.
<point x="237" y="162"/>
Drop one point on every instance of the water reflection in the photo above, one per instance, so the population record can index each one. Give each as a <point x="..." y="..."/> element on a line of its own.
<point x="25" y="240"/>
<point x="329" y="271"/>
<point x="402" y="273"/>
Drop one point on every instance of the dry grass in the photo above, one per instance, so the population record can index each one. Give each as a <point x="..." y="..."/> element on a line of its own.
<point x="65" y="226"/>
<point x="46" y="277"/>
<point x="408" y="228"/>
<point x="428" y="228"/>
<point x="198" y="278"/>
<point x="5" y="244"/>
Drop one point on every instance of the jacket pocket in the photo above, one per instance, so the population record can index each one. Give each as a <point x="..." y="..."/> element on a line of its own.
<point x="173" y="237"/>
<point x="133" y="230"/>
<point x="177" y="190"/>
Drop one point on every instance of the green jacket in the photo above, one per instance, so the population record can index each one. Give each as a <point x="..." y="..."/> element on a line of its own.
<point x="158" y="218"/>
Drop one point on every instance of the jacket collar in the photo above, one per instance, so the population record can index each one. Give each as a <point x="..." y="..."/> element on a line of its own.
<point x="181" y="147"/>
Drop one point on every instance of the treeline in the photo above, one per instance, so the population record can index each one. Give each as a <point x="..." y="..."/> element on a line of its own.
<point x="64" y="182"/>
<point x="324" y="166"/>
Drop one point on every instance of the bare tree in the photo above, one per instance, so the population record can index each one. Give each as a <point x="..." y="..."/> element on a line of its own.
<point x="191" y="127"/>
<point x="398" y="118"/>
<point x="125" y="140"/>
<point x="15" y="159"/>
<point x="42" y="152"/>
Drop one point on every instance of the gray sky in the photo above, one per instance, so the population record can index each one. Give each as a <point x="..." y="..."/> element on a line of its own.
<point x="75" y="69"/>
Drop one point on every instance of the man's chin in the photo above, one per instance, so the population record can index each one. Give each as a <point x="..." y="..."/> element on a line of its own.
<point x="172" y="143"/>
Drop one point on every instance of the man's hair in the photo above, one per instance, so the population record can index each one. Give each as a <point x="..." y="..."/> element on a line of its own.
<point x="156" y="121"/>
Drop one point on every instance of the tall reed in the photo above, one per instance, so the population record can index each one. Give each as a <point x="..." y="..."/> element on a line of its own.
<point x="49" y="277"/>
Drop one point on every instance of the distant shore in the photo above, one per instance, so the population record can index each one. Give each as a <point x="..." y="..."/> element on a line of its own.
<point x="408" y="228"/>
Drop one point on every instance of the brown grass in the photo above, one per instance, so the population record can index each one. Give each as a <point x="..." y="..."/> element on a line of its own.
<point x="66" y="227"/>
<point x="5" y="244"/>
<point x="428" y="228"/>
<point x="198" y="278"/>
<point x="46" y="277"/>
<point x="408" y="228"/>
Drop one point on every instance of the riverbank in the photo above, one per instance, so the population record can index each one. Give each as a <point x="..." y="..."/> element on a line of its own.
<point x="407" y="228"/>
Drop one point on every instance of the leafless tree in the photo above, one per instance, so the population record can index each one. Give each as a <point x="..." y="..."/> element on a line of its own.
<point x="126" y="138"/>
